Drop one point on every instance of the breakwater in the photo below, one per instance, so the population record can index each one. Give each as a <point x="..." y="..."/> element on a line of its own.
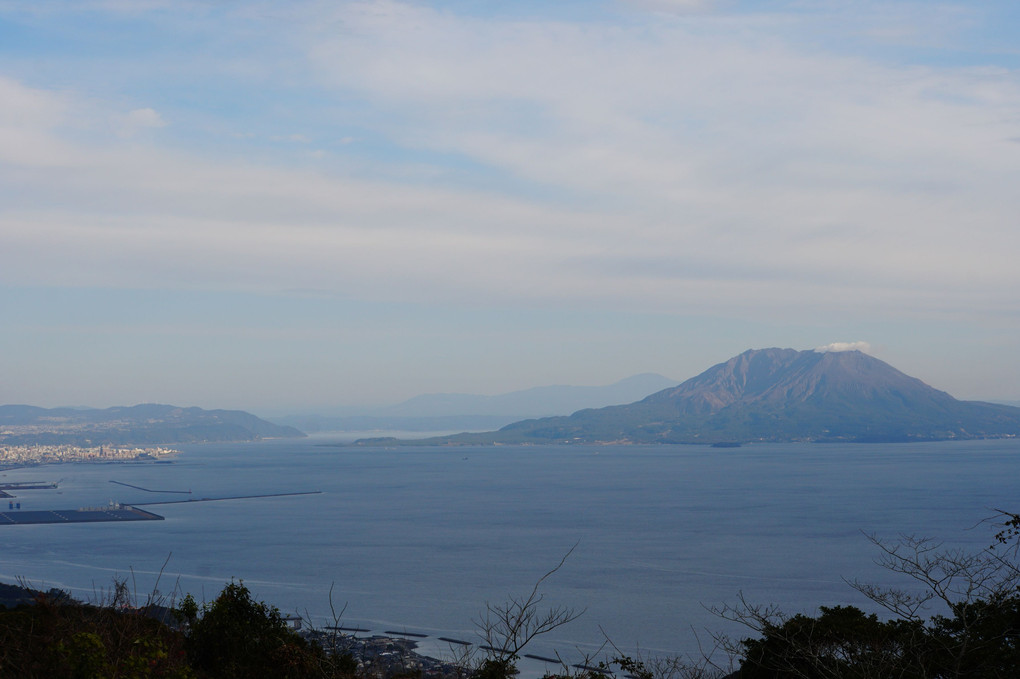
<point x="231" y="497"/>
<point x="150" y="490"/>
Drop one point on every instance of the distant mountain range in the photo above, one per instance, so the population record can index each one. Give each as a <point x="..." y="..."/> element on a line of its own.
<point x="136" y="425"/>
<point x="775" y="395"/>
<point x="438" y="412"/>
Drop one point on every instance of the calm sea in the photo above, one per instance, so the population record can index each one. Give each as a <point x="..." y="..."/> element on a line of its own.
<point x="419" y="539"/>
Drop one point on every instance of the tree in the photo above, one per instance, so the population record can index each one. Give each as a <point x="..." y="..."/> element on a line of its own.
<point x="963" y="622"/>
<point x="842" y="642"/>
<point x="59" y="637"/>
<point x="236" y="637"/>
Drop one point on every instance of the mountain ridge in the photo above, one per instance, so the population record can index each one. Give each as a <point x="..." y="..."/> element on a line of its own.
<point x="534" y="398"/>
<point x="439" y="412"/>
<point x="145" y="423"/>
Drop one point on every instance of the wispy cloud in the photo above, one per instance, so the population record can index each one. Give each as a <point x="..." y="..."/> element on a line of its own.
<point x="673" y="6"/>
<point x="697" y="158"/>
<point x="814" y="178"/>
<point x="28" y="119"/>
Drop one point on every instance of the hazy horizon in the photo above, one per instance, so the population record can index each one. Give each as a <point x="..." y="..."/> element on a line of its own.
<point x="288" y="206"/>
<point x="374" y="408"/>
<point x="387" y="410"/>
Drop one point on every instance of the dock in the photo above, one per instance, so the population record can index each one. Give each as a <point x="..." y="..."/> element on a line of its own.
<point x="116" y="512"/>
<point x="28" y="485"/>
<point x="9" y="487"/>
<point x="122" y="513"/>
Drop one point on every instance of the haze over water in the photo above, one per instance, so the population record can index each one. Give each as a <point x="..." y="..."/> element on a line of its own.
<point x="420" y="538"/>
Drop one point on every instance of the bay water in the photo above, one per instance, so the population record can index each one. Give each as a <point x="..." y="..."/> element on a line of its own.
<point x="419" y="539"/>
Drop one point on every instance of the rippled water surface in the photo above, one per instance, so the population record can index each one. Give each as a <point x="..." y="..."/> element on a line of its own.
<point x="420" y="538"/>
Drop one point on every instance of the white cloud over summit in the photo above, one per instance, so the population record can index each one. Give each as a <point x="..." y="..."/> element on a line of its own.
<point x="863" y="347"/>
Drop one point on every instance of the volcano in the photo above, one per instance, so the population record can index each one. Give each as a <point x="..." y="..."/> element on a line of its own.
<point x="777" y="395"/>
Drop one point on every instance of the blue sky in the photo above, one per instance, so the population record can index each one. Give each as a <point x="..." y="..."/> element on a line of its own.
<point x="296" y="205"/>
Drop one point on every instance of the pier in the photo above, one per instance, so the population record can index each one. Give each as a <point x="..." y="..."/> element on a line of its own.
<point x="98" y="515"/>
<point x="7" y="487"/>
<point x="116" y="512"/>
<point x="28" y="485"/>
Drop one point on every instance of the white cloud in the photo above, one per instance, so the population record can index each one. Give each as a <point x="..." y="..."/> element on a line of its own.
<point x="139" y="119"/>
<point x="145" y="117"/>
<point x="845" y="346"/>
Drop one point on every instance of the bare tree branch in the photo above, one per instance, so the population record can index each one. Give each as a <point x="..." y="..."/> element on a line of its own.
<point x="507" y="627"/>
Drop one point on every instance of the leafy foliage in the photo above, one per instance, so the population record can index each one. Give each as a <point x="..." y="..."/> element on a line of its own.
<point x="973" y="634"/>
<point x="57" y="637"/>
<point x="237" y="637"/>
<point x="233" y="637"/>
<point x="840" y="642"/>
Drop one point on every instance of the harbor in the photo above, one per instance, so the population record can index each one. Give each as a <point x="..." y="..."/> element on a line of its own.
<point x="115" y="512"/>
